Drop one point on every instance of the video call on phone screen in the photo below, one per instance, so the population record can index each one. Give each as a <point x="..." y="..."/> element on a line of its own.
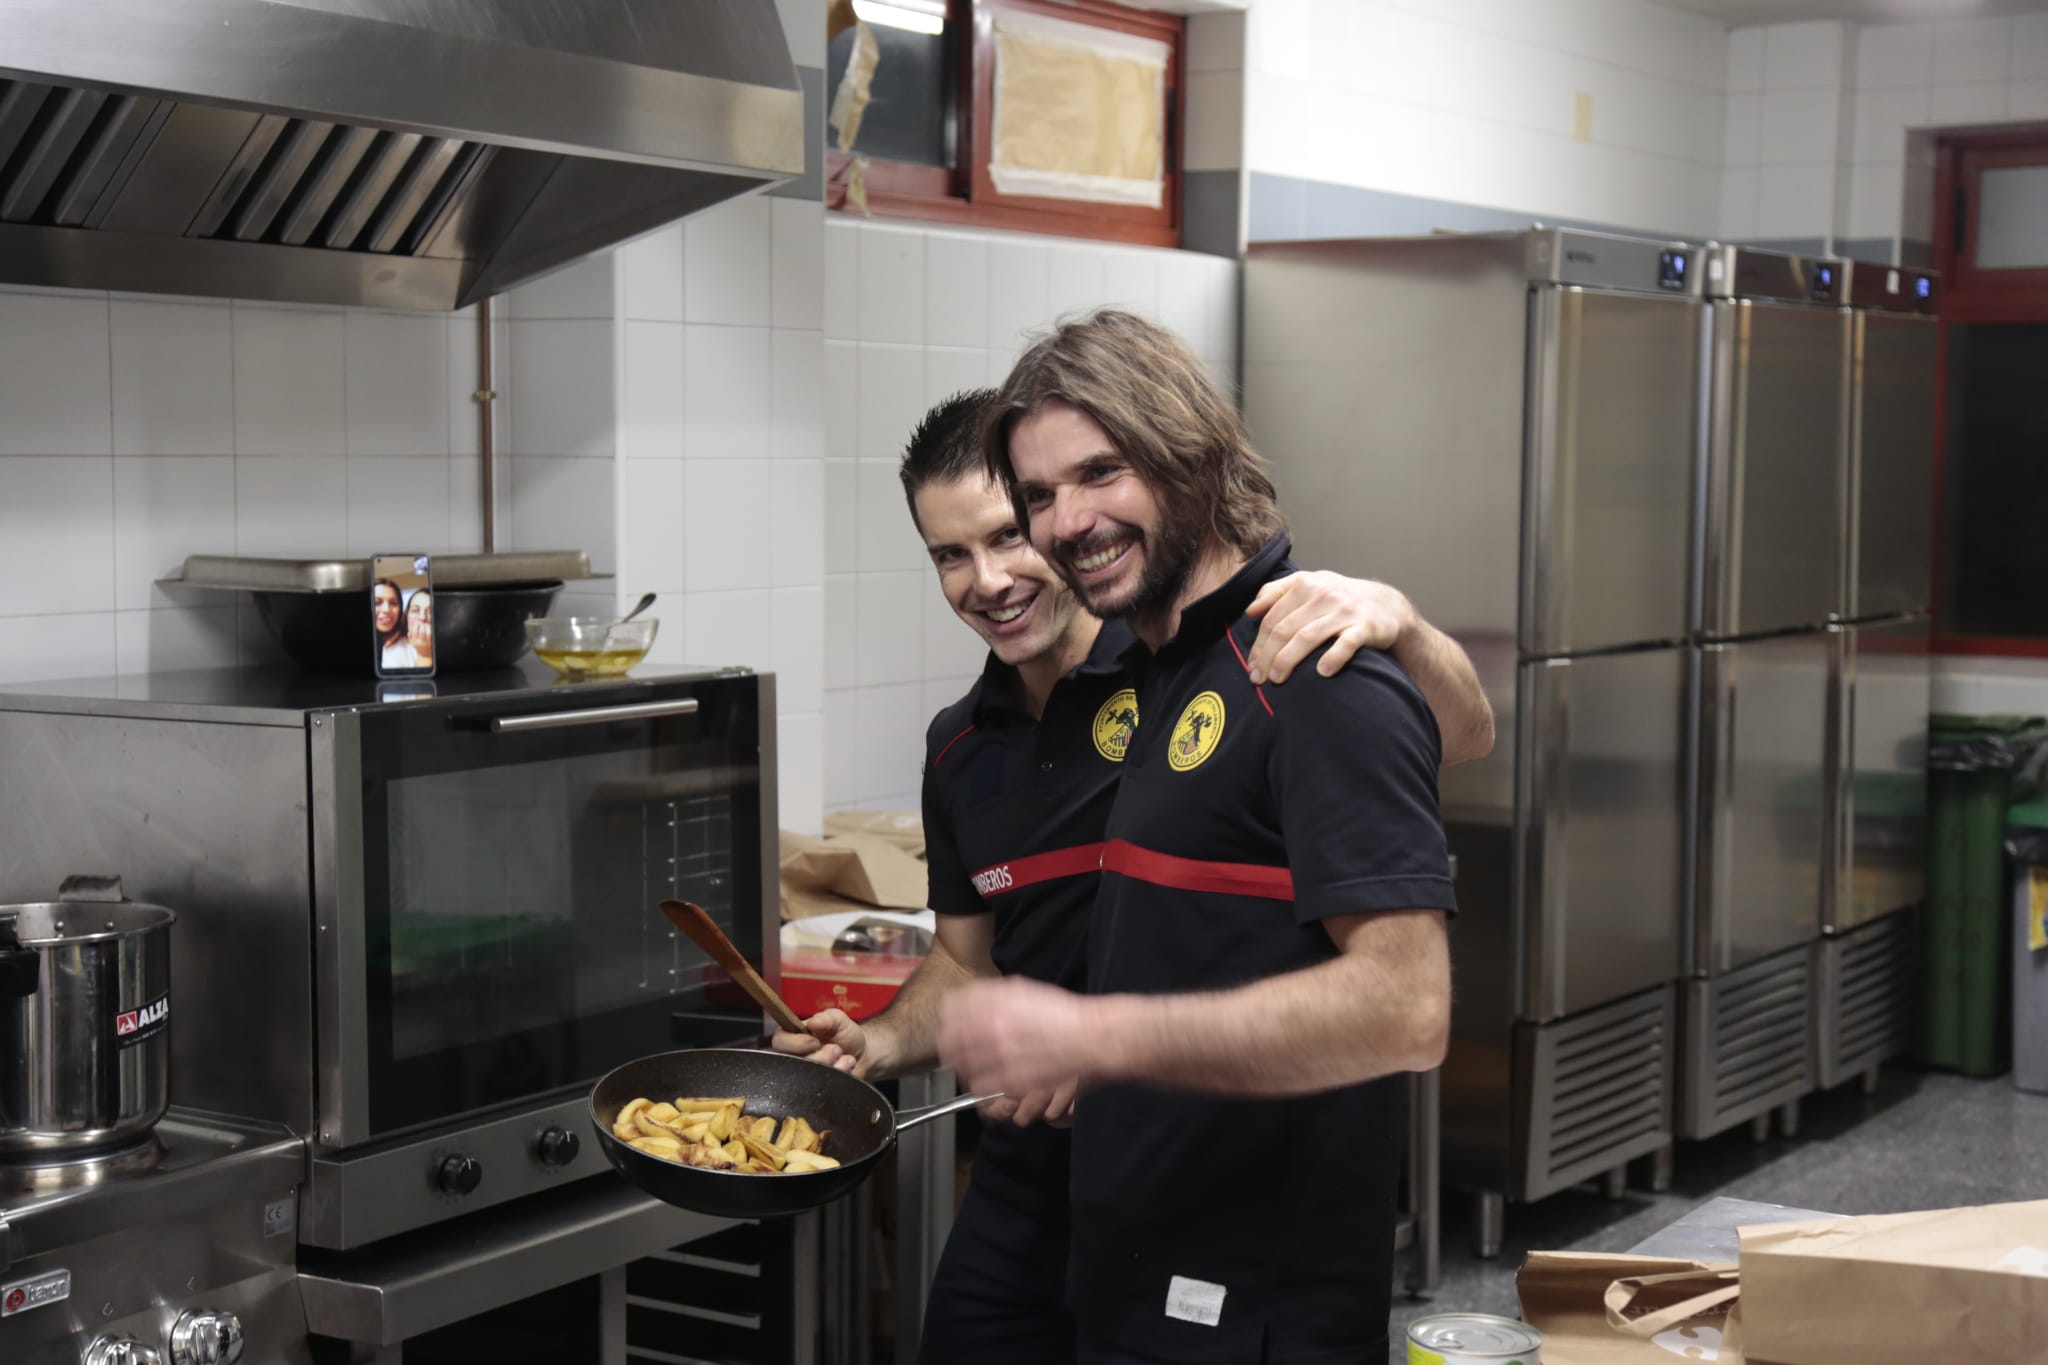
<point x="402" y="616"/>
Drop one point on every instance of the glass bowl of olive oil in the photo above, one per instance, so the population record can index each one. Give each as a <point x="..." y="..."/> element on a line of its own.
<point x="591" y="646"/>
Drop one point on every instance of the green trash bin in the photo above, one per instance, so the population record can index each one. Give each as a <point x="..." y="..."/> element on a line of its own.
<point x="1977" y="766"/>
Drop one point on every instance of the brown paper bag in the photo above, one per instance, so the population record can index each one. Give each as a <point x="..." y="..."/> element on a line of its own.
<point x="1596" y="1309"/>
<point x="826" y="876"/>
<point x="1942" y="1285"/>
<point x="903" y="828"/>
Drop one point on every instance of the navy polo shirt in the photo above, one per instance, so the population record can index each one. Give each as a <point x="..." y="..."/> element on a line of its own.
<point x="1209" y="1229"/>
<point x="1014" y="810"/>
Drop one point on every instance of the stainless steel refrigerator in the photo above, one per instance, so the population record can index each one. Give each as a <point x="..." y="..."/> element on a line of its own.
<point x="1881" y="699"/>
<point x="1504" y="425"/>
<point x="1776" y="368"/>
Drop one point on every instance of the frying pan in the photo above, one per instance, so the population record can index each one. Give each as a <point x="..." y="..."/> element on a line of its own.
<point x="858" y="1122"/>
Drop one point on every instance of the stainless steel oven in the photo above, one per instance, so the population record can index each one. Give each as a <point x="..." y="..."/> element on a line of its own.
<point x="414" y="931"/>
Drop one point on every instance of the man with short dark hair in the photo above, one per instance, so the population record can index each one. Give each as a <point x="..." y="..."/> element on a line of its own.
<point x="1267" y="949"/>
<point x="1019" y="776"/>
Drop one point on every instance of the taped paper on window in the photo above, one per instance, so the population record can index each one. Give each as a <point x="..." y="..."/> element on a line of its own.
<point x="1080" y="112"/>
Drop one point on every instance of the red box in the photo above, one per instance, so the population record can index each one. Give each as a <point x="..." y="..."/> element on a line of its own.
<point x="862" y="984"/>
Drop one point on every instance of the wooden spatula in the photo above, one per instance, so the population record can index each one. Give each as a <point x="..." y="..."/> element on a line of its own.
<point x="692" y="920"/>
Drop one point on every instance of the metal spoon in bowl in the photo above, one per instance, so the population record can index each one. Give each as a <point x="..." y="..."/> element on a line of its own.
<point x="646" y="601"/>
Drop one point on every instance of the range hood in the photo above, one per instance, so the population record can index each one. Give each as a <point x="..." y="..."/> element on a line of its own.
<point x="389" y="153"/>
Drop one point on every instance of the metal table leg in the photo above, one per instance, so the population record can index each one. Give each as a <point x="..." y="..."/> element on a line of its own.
<point x="805" y="1288"/>
<point x="1424" y="1182"/>
<point x="924" y="1203"/>
<point x="1660" y="1170"/>
<point x="1489" y="1223"/>
<point x="611" y="1316"/>
<point x="1788" y="1118"/>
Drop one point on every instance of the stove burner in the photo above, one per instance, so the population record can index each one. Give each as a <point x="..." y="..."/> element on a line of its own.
<point x="50" y="1177"/>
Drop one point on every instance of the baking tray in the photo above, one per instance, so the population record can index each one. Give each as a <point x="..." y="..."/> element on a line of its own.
<point x="235" y="573"/>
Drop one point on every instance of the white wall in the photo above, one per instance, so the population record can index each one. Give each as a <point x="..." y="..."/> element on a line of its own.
<point x="1475" y="103"/>
<point x="911" y="316"/>
<point x="1829" y="125"/>
<point x="720" y="482"/>
<point x="135" y="430"/>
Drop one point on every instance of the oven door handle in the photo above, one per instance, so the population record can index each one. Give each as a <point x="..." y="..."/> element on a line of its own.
<point x="597" y="715"/>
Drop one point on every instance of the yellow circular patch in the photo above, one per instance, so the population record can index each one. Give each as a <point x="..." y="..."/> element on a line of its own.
<point x="1114" y="724"/>
<point x="1196" y="733"/>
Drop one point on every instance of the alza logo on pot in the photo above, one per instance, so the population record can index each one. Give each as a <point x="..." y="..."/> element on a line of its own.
<point x="132" y="1026"/>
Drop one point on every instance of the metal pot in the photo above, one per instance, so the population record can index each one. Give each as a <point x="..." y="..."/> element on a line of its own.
<point x="85" y="1022"/>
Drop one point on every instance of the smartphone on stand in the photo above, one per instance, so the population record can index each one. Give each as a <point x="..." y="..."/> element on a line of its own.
<point x="402" y="616"/>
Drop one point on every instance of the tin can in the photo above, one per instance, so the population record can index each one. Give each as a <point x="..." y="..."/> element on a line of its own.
<point x="1473" y="1339"/>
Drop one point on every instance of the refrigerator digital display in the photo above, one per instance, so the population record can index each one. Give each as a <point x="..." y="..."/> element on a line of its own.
<point x="1923" y="288"/>
<point x="1824" y="283"/>
<point x="1671" y="270"/>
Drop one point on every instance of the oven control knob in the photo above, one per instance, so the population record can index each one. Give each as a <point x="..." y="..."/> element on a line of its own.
<point x="557" y="1147"/>
<point x="121" y="1351"/>
<point x="206" y="1336"/>
<point x="460" y="1174"/>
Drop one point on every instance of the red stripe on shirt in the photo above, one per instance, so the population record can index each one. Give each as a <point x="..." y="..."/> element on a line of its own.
<point x="1037" y="867"/>
<point x="1248" y="668"/>
<point x="950" y="743"/>
<point x="1193" y="874"/>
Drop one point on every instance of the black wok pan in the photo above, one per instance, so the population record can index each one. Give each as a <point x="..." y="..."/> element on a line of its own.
<point x="858" y="1122"/>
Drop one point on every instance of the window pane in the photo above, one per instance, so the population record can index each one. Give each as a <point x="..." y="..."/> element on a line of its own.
<point x="2012" y="219"/>
<point x="1995" y="482"/>
<point x="909" y="117"/>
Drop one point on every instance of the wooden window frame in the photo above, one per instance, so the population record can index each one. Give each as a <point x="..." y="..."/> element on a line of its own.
<point x="1966" y="296"/>
<point x="966" y="195"/>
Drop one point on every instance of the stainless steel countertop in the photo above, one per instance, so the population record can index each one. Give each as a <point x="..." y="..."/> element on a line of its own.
<point x="285" y="697"/>
<point x="396" y="1289"/>
<point x="207" y="1159"/>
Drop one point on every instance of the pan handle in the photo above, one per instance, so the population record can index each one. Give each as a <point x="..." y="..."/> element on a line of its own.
<point x="910" y="1118"/>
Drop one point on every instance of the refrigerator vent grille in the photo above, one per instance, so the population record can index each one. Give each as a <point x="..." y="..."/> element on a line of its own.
<point x="1871" y="1014"/>
<point x="1603" y="1084"/>
<point x="1758" y="1043"/>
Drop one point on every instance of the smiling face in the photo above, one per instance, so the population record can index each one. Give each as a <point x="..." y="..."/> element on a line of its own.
<point x="1095" y="518"/>
<point x="992" y="578"/>
<point x="419" y="620"/>
<point x="384" y="608"/>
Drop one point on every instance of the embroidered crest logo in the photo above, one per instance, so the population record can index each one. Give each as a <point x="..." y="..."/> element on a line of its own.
<point x="1114" y="724"/>
<point x="1196" y="733"/>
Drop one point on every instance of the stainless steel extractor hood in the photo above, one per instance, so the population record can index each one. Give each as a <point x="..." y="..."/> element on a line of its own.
<point x="391" y="153"/>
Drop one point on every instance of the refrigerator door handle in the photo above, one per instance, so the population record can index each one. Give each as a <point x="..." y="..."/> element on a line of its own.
<point x="1545" y="765"/>
<point x="1715" y="811"/>
<point x="1838" y="862"/>
<point x="1727" y="395"/>
<point x="1549" y="417"/>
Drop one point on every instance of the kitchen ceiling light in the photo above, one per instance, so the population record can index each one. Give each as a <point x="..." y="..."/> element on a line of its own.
<point x="918" y="20"/>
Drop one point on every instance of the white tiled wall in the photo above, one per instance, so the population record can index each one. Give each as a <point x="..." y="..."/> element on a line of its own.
<point x="1475" y="103"/>
<point x="135" y="431"/>
<point x="1791" y="92"/>
<point x="912" y="315"/>
<point x="720" y="502"/>
<point x="1797" y="89"/>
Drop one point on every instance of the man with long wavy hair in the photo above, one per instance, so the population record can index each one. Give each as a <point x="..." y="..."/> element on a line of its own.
<point x="1267" y="951"/>
<point x="1019" y="775"/>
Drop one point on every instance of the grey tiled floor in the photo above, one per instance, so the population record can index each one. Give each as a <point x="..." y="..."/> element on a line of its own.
<point x="1924" y="1141"/>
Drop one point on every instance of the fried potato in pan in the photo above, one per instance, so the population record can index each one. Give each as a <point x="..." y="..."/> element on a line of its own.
<point x="716" y="1133"/>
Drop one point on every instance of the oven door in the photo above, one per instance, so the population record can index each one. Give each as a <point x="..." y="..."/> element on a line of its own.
<point x="487" y="875"/>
